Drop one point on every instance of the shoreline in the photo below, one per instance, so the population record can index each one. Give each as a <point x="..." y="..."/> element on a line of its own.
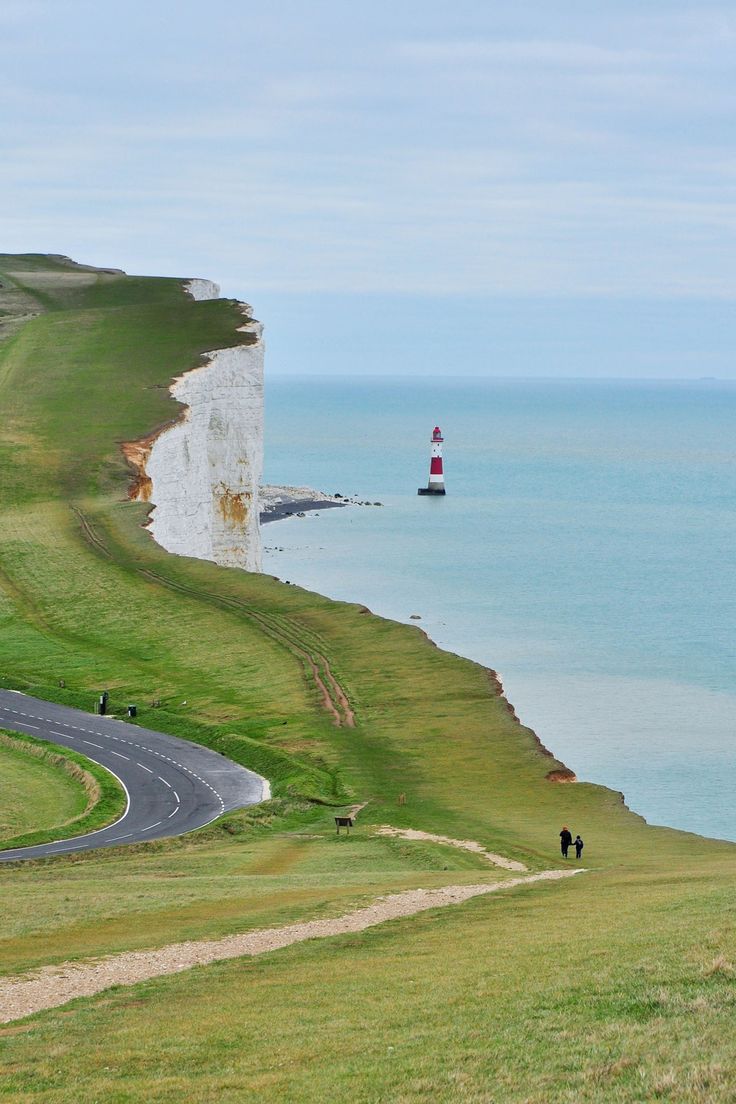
<point x="282" y="502"/>
<point x="560" y="773"/>
<point x="298" y="508"/>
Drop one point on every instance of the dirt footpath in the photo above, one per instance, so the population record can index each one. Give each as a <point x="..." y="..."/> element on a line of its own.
<point x="55" y="985"/>
<point x="463" y="845"/>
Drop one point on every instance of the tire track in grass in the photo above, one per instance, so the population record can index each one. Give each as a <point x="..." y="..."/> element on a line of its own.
<point x="282" y="629"/>
<point x="315" y="663"/>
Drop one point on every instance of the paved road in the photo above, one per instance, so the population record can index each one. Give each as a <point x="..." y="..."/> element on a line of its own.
<point x="173" y="786"/>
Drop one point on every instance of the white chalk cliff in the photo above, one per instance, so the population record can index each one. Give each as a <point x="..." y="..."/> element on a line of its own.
<point x="202" y="473"/>
<point x="202" y="289"/>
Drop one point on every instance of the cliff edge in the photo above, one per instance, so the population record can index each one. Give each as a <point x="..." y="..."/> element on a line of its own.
<point x="202" y="473"/>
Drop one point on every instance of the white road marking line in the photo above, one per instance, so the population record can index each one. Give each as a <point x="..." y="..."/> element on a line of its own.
<point x="120" y="837"/>
<point x="150" y="826"/>
<point x="178" y="799"/>
<point x="150" y="751"/>
<point x="92" y="745"/>
<point x="145" y="768"/>
<point x="120" y="755"/>
<point x="176" y="810"/>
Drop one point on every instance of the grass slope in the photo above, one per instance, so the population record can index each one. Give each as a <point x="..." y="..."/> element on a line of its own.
<point x="546" y="993"/>
<point x="527" y="998"/>
<point x="34" y="793"/>
<point x="49" y="792"/>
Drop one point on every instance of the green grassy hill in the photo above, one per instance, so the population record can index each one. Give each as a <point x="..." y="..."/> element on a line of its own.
<point x="616" y="985"/>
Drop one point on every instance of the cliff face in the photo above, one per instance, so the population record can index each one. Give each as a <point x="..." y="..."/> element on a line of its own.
<point x="202" y="474"/>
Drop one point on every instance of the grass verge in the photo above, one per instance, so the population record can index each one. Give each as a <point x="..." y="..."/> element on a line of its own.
<point x="98" y="798"/>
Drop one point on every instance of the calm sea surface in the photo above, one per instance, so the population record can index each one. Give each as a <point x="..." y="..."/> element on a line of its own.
<point x="586" y="549"/>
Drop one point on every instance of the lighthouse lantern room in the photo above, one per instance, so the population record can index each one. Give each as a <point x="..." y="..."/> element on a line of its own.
<point x="436" y="485"/>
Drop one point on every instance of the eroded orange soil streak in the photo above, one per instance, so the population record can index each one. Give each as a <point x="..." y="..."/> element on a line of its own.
<point x="137" y="453"/>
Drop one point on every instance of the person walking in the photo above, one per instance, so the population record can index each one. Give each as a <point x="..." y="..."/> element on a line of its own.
<point x="565" y="840"/>
<point x="579" y="845"/>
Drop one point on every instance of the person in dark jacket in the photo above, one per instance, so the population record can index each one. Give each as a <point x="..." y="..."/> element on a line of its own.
<point x="579" y="845"/>
<point x="565" y="840"/>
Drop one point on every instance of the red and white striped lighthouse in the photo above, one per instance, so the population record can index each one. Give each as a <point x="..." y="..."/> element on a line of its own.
<point x="436" y="485"/>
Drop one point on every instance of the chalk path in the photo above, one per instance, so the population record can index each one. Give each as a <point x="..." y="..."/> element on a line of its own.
<point x="56" y="985"/>
<point x="463" y="845"/>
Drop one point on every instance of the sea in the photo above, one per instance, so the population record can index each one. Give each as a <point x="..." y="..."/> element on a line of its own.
<point x="586" y="550"/>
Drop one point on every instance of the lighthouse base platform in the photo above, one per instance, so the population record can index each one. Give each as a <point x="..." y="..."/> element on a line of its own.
<point x="431" y="491"/>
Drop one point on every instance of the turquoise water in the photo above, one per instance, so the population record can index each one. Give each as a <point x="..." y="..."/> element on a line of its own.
<point x="585" y="549"/>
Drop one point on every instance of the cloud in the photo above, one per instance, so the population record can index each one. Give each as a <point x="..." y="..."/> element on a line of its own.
<point x="548" y="53"/>
<point x="18" y="13"/>
<point x="587" y="157"/>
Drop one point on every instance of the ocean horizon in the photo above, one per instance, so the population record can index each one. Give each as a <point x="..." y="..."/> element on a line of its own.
<point x="584" y="550"/>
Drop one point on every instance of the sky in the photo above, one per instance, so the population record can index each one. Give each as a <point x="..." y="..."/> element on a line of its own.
<point x="413" y="187"/>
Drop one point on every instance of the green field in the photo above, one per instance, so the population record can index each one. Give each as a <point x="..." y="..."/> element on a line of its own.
<point x="35" y="793"/>
<point x="49" y="793"/>
<point x="617" y="985"/>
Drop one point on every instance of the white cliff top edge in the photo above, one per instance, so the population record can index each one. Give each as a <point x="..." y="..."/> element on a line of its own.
<point x="202" y="289"/>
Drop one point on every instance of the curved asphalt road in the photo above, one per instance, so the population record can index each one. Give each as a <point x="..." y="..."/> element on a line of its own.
<point x="173" y="786"/>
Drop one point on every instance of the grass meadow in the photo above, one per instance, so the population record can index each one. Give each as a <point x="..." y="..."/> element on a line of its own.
<point x="35" y="793"/>
<point x="48" y="792"/>
<point x="617" y="985"/>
